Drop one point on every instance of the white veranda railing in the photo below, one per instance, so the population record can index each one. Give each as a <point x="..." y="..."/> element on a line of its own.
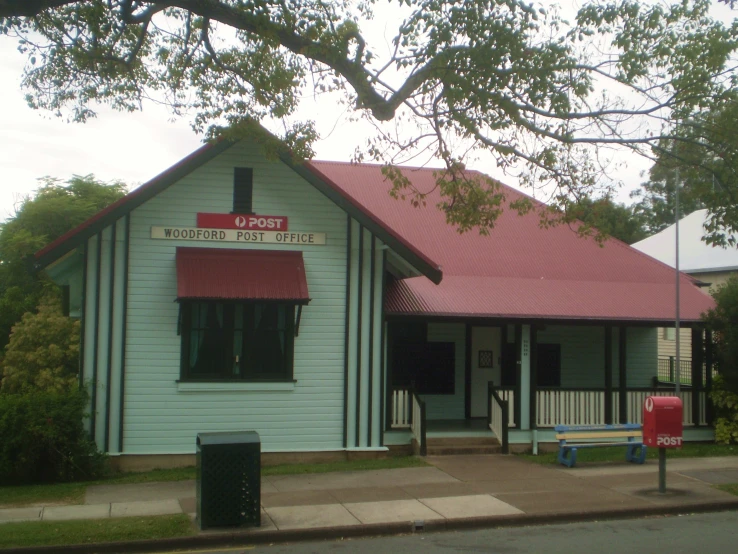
<point x="401" y="408"/>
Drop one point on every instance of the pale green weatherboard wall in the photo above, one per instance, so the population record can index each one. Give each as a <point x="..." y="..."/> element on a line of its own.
<point x="365" y="341"/>
<point x="103" y="332"/>
<point x="583" y="354"/>
<point x="162" y="419"/>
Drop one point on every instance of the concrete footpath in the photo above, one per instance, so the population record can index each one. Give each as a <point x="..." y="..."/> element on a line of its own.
<point x="454" y="492"/>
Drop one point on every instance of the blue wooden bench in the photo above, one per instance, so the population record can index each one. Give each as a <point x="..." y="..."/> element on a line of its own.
<point x="573" y="437"/>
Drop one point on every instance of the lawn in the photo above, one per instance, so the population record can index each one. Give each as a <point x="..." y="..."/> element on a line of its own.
<point x="74" y="493"/>
<point x="48" y="533"/>
<point x="617" y="454"/>
<point x="732" y="488"/>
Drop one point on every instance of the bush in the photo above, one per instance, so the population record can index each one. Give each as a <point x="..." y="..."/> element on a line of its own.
<point x="722" y="320"/>
<point x="726" y="406"/>
<point x="43" y="438"/>
<point x="43" y="352"/>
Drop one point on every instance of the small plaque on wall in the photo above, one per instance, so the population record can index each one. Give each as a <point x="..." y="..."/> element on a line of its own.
<point x="486" y="359"/>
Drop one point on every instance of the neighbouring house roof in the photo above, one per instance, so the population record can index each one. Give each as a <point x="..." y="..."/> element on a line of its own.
<point x="519" y="270"/>
<point x="237" y="274"/>
<point x="695" y="255"/>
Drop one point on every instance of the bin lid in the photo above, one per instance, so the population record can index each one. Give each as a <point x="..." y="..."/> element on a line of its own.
<point x="228" y="437"/>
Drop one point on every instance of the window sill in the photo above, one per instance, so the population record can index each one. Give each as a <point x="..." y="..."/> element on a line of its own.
<point x="235" y="386"/>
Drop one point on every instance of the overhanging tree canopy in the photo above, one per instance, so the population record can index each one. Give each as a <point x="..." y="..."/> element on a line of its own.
<point x="55" y="208"/>
<point x="459" y="77"/>
<point x="704" y="164"/>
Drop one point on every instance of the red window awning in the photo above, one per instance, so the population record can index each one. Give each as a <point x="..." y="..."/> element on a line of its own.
<point x="214" y="273"/>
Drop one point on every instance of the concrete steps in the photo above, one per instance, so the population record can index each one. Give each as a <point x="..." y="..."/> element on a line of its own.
<point x="455" y="446"/>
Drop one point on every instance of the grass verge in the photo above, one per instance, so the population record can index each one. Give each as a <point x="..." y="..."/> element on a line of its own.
<point x="732" y="488"/>
<point x="617" y="453"/>
<point x="74" y="493"/>
<point x="49" y="533"/>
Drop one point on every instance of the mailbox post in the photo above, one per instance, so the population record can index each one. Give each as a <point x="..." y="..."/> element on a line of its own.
<point x="662" y="428"/>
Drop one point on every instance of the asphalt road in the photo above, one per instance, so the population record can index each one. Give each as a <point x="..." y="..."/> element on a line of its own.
<point x="692" y="534"/>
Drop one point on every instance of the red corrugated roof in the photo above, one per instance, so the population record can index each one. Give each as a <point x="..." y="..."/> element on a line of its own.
<point x="519" y="269"/>
<point x="510" y="297"/>
<point x="214" y="273"/>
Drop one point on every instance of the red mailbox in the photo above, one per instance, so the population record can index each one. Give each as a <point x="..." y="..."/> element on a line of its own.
<point x="662" y="422"/>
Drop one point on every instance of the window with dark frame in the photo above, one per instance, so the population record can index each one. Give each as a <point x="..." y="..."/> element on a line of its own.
<point x="237" y="341"/>
<point x="243" y="190"/>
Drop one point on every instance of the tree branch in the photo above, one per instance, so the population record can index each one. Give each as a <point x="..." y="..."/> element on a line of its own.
<point x="29" y="8"/>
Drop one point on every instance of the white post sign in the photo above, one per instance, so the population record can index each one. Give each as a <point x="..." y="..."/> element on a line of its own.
<point x="234" y="235"/>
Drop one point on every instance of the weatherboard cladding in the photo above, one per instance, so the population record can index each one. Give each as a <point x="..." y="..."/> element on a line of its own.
<point x="161" y="419"/>
<point x="104" y="333"/>
<point x="519" y="269"/>
<point x="162" y="416"/>
<point x="583" y="354"/>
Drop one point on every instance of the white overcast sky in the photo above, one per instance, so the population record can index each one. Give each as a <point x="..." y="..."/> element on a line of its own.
<point x="136" y="147"/>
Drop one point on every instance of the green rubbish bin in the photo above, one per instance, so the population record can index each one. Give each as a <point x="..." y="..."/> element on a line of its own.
<point x="228" y="479"/>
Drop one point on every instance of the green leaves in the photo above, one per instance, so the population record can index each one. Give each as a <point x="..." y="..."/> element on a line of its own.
<point x="56" y="208"/>
<point x="43" y="352"/>
<point x="505" y="80"/>
<point x="722" y="320"/>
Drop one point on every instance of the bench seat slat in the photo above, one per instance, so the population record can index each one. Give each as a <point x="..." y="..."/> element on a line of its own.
<point x="595" y="444"/>
<point x="598" y="435"/>
<point x="605" y="427"/>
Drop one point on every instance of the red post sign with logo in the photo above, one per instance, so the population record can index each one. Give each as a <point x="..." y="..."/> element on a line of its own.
<point x="662" y="422"/>
<point x="246" y="222"/>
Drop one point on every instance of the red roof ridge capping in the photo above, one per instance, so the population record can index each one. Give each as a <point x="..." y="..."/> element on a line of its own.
<point x="131" y="196"/>
<point x="369" y="214"/>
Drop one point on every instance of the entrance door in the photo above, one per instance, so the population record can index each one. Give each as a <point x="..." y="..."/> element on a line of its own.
<point x="485" y="366"/>
<point x="509" y="368"/>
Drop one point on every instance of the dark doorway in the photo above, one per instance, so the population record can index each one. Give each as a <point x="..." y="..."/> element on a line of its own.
<point x="425" y="367"/>
<point x="548" y="368"/>
<point x="508" y="365"/>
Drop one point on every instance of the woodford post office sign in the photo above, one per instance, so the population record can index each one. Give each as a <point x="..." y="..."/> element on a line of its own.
<point x="265" y="229"/>
<point x="233" y="235"/>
